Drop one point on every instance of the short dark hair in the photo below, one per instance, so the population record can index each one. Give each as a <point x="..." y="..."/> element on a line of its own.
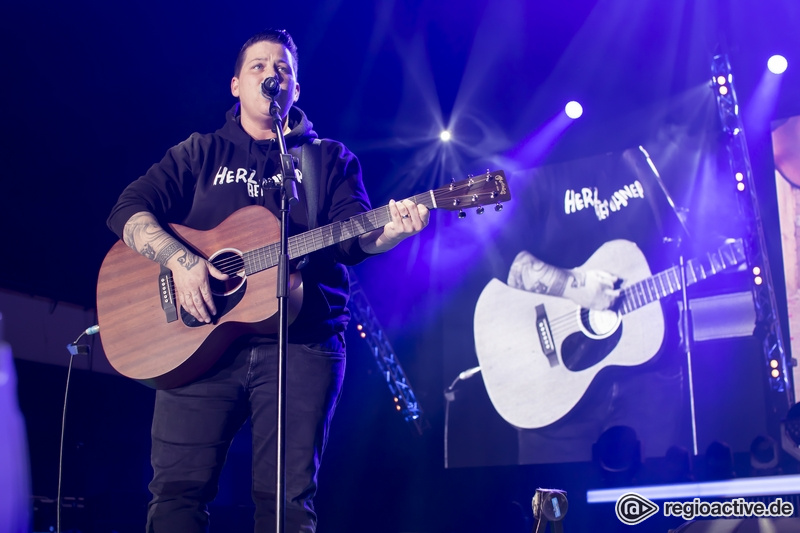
<point x="273" y="36"/>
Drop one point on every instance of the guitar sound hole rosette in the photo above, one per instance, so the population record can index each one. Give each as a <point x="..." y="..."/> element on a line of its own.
<point x="229" y="262"/>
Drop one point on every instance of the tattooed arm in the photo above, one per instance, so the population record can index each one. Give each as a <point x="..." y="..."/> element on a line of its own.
<point x="592" y="289"/>
<point x="190" y="272"/>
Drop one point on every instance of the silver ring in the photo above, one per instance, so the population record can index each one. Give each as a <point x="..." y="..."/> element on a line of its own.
<point x="405" y="216"/>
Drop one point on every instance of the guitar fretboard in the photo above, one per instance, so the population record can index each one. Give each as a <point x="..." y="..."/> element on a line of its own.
<point x="318" y="238"/>
<point x="669" y="281"/>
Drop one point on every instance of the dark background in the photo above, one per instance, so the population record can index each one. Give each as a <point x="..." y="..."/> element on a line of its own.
<point x="95" y="92"/>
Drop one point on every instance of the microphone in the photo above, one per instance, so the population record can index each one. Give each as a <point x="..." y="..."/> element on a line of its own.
<point x="92" y="330"/>
<point x="270" y="87"/>
<point x="466" y="374"/>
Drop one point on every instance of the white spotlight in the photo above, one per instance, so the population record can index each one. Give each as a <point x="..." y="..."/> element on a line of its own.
<point x="445" y="135"/>
<point x="573" y="109"/>
<point x="777" y="64"/>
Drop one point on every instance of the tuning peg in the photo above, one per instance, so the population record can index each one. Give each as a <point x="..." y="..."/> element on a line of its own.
<point x="456" y="201"/>
<point x="498" y="207"/>
<point x="479" y="210"/>
<point x="461" y="214"/>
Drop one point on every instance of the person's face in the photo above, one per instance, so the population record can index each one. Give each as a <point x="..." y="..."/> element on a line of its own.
<point x="262" y="60"/>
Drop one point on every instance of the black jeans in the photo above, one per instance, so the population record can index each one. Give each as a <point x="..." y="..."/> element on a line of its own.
<point x="193" y="427"/>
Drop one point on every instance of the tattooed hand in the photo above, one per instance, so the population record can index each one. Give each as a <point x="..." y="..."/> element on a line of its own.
<point x="190" y="272"/>
<point x="592" y="289"/>
<point x="192" y="288"/>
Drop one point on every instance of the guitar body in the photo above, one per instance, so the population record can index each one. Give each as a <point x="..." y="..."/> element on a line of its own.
<point x="532" y="381"/>
<point x="137" y="337"/>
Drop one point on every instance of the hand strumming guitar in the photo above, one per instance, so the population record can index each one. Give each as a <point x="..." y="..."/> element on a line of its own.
<point x="190" y="272"/>
<point x="592" y="289"/>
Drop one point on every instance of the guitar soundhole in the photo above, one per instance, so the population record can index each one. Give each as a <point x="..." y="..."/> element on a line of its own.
<point x="229" y="262"/>
<point x="598" y="324"/>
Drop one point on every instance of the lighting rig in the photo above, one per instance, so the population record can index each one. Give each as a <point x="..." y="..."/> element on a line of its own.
<point x="768" y="328"/>
<point x="369" y="329"/>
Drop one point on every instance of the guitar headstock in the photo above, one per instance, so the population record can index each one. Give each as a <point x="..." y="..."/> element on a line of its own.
<point x="490" y="188"/>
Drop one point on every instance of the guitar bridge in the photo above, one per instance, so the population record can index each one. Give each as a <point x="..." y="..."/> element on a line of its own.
<point x="167" y="295"/>
<point x="545" y="335"/>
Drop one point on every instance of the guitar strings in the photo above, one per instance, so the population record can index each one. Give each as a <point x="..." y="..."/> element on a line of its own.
<point x="299" y="244"/>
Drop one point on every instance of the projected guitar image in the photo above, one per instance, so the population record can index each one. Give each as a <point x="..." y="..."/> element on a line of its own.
<point x="148" y="337"/>
<point x="538" y="353"/>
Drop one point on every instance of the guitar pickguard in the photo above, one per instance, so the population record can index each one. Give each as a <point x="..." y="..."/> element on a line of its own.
<point x="224" y="304"/>
<point x="579" y="352"/>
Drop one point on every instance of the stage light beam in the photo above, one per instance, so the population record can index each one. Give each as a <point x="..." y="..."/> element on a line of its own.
<point x="573" y="109"/>
<point x="446" y="136"/>
<point x="777" y="64"/>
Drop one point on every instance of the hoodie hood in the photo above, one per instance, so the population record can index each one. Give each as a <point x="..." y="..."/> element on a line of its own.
<point x="264" y="155"/>
<point x="302" y="130"/>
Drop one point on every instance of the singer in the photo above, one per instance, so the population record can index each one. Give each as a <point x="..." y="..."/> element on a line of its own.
<point x="198" y="184"/>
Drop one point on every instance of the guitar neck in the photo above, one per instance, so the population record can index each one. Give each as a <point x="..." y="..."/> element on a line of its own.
<point x="669" y="281"/>
<point x="324" y="236"/>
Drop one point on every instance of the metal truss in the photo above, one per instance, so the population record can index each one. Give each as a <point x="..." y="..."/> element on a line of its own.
<point x="369" y="329"/>
<point x="768" y="327"/>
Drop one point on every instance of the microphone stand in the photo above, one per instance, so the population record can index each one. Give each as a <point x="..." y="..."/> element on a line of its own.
<point x="685" y="319"/>
<point x="449" y="396"/>
<point x="288" y="198"/>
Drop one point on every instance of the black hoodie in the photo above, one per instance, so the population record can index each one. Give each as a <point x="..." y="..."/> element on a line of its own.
<point x="207" y="177"/>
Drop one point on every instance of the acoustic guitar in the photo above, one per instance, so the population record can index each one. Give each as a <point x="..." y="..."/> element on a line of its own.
<point x="148" y="337"/>
<point x="538" y="353"/>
